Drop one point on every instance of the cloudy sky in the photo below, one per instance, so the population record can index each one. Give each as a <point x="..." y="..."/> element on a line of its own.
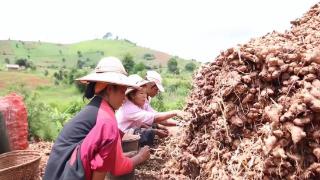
<point x="196" y="29"/>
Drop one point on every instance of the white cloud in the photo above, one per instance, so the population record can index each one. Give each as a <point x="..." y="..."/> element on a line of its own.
<point x="191" y="28"/>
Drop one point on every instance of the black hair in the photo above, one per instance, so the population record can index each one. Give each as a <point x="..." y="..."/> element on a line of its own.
<point x="89" y="92"/>
<point x="130" y="94"/>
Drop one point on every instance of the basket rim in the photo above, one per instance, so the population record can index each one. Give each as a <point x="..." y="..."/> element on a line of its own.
<point x="23" y="164"/>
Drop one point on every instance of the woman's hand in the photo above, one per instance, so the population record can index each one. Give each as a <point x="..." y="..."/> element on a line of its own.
<point x="180" y="113"/>
<point x="161" y="133"/>
<point x="143" y="155"/>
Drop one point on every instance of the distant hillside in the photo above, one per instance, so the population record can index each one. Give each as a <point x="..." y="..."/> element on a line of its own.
<point x="44" y="54"/>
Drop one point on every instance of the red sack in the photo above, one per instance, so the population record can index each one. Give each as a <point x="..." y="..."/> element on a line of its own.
<point x="15" y="116"/>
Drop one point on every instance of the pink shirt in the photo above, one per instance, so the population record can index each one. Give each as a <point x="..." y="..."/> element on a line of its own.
<point x="132" y="116"/>
<point x="101" y="149"/>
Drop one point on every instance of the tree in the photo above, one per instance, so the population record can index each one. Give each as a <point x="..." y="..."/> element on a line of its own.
<point x="22" y="62"/>
<point x="148" y="56"/>
<point x="128" y="62"/>
<point x="63" y="59"/>
<point x="173" y="65"/>
<point x="190" y="66"/>
<point x="108" y="35"/>
<point x="139" y="67"/>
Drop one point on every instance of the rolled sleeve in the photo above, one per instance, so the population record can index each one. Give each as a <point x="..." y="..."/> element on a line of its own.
<point x="143" y="116"/>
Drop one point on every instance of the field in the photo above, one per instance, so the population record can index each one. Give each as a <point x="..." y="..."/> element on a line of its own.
<point x="12" y="78"/>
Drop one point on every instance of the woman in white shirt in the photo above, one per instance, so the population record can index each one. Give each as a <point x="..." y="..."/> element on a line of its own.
<point x="133" y="114"/>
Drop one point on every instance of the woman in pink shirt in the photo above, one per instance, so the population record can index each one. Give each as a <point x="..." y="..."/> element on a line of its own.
<point x="89" y="145"/>
<point x="134" y="114"/>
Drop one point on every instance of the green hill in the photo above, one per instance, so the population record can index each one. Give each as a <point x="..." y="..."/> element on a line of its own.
<point x="44" y="54"/>
<point x="52" y="96"/>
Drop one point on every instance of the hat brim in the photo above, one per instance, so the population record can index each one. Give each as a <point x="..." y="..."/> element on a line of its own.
<point x="108" y="77"/>
<point x="139" y="85"/>
<point x="160" y="87"/>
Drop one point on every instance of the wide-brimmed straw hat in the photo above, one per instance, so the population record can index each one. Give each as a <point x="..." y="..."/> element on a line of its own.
<point x="155" y="77"/>
<point x="137" y="80"/>
<point x="109" y="70"/>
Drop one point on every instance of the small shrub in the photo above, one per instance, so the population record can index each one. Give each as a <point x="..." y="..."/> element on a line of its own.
<point x="173" y="66"/>
<point x="128" y="62"/>
<point x="190" y="67"/>
<point x="139" y="67"/>
<point x="148" y="56"/>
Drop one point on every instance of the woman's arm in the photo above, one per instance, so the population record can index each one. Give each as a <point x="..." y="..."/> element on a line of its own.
<point x="169" y="122"/>
<point x="162" y="116"/>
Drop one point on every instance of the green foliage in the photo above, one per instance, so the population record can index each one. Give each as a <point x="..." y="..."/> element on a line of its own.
<point x="81" y="87"/>
<point x="190" y="66"/>
<point x="107" y="35"/>
<point x="27" y="64"/>
<point x="45" y="122"/>
<point x="158" y="104"/>
<point x="148" y="56"/>
<point x="100" y="53"/>
<point x="58" y="75"/>
<point x="39" y="122"/>
<point x="173" y="66"/>
<point x="74" y="107"/>
<point x="79" y="54"/>
<point x="51" y="106"/>
<point x="68" y="77"/>
<point x="139" y="67"/>
<point x="22" y="62"/>
<point x="128" y="62"/>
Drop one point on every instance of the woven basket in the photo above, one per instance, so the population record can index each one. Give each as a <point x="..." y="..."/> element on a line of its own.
<point x="19" y="165"/>
<point x="130" y="143"/>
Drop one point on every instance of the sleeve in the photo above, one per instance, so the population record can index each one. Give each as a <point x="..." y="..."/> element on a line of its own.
<point x="143" y="116"/>
<point x="110" y="157"/>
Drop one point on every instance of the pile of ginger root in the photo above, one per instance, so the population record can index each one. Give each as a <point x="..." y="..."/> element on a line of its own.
<point x="256" y="110"/>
